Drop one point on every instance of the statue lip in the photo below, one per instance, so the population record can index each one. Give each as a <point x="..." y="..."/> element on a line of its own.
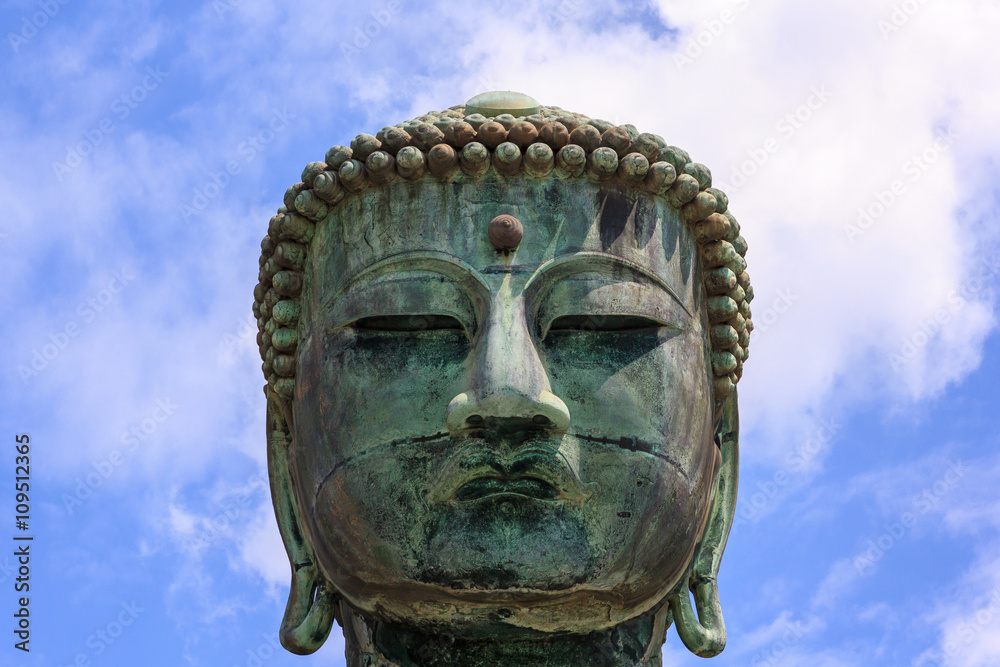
<point x="533" y="471"/>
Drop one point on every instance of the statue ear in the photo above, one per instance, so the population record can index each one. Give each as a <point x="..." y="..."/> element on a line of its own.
<point x="310" y="612"/>
<point x="705" y="635"/>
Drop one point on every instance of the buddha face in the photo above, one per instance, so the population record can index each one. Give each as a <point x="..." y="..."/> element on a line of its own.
<point x="522" y="438"/>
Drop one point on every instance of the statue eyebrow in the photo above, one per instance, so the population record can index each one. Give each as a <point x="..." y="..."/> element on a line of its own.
<point x="429" y="261"/>
<point x="565" y="265"/>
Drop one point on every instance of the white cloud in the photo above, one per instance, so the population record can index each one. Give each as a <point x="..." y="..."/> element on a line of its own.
<point x="906" y="503"/>
<point x="262" y="551"/>
<point x="839" y="580"/>
<point x="968" y="619"/>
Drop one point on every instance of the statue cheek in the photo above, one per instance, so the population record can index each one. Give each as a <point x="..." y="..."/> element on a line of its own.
<point x="363" y="521"/>
<point x="654" y="388"/>
<point x="370" y="390"/>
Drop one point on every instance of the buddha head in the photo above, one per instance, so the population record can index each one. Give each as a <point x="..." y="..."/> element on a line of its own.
<point x="501" y="345"/>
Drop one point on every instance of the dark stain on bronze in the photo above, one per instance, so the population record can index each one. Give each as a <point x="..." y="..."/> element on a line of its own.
<point x="616" y="211"/>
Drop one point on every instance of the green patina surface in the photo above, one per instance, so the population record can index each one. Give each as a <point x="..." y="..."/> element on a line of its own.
<point x="502" y="456"/>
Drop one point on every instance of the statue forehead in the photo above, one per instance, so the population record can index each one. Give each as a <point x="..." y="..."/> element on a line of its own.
<point x="559" y="219"/>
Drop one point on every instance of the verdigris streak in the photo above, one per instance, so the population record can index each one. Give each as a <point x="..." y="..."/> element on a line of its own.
<point x="501" y="345"/>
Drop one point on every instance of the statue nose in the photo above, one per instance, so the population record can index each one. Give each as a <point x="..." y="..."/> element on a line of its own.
<point x="508" y="388"/>
<point x="507" y="411"/>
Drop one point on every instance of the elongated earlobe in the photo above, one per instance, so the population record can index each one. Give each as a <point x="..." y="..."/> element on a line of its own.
<point x="705" y="634"/>
<point x="310" y="612"/>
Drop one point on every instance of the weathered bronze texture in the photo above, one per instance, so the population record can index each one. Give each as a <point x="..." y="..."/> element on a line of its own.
<point x="515" y="447"/>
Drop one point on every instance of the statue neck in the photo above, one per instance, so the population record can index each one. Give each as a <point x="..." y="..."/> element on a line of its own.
<point x="373" y="643"/>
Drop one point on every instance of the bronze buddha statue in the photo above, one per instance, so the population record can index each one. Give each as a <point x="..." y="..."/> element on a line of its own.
<point x="501" y="345"/>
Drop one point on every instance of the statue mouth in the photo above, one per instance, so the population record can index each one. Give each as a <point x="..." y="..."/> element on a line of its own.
<point x="493" y="486"/>
<point x="479" y="471"/>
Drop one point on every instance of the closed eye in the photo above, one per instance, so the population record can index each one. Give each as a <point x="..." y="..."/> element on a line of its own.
<point x="603" y="323"/>
<point x="407" y="323"/>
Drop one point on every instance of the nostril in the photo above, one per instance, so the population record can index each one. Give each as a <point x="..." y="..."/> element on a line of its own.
<point x="541" y="420"/>
<point x="474" y="420"/>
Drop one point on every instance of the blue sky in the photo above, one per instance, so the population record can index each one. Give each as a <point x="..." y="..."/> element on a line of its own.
<point x="145" y="146"/>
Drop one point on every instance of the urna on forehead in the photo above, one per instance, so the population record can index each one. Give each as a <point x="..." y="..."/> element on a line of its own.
<point x="457" y="166"/>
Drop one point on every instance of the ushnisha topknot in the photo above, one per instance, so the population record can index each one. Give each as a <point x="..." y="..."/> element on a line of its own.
<point x="548" y="143"/>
